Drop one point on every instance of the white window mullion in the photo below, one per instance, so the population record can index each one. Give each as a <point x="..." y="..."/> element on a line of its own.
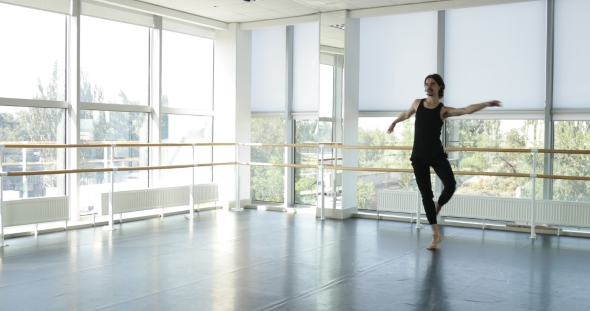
<point x="155" y="97"/>
<point x="111" y="107"/>
<point x="37" y="103"/>
<point x="73" y="111"/>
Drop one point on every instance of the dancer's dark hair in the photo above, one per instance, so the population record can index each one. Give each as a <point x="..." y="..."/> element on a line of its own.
<point x="439" y="80"/>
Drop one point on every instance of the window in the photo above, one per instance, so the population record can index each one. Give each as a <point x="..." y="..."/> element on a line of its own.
<point x="33" y="54"/>
<point x="517" y="134"/>
<point x="114" y="62"/>
<point x="306" y="179"/>
<point x="267" y="183"/>
<point x="372" y="132"/>
<point x="111" y="127"/>
<point x="572" y="135"/>
<point x="187" y="71"/>
<point x="32" y="125"/>
<point x="186" y="129"/>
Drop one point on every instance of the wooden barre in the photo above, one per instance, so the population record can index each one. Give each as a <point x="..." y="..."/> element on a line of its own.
<point x="279" y="165"/>
<point x="327" y="167"/>
<point x="110" y="169"/>
<point x="330" y="146"/>
<point x="126" y="144"/>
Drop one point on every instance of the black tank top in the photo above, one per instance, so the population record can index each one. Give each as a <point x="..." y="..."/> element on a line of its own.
<point x="427" y="130"/>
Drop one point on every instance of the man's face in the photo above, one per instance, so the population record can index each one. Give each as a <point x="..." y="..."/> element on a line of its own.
<point x="431" y="87"/>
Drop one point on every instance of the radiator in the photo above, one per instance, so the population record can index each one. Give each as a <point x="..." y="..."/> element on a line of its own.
<point x="145" y="199"/>
<point x="508" y="209"/>
<point x="398" y="201"/>
<point x="34" y="210"/>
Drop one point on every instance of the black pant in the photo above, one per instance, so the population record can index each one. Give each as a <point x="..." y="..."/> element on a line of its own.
<point x="443" y="170"/>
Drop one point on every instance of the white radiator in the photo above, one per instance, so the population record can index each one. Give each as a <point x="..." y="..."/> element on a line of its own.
<point x="34" y="210"/>
<point x="493" y="208"/>
<point x="398" y="201"/>
<point x="145" y="199"/>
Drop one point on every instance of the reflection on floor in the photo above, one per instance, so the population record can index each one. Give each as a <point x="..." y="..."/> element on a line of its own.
<point x="261" y="260"/>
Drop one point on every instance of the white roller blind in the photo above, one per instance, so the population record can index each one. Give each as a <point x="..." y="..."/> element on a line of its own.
<point x="57" y="6"/>
<point x="118" y="14"/>
<point x="572" y="47"/>
<point x="496" y="52"/>
<point x="269" y="69"/>
<point x="397" y="53"/>
<point x="306" y="67"/>
<point x="186" y="28"/>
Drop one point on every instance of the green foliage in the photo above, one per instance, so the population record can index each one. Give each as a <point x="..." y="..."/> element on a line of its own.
<point x="305" y="190"/>
<point x="267" y="183"/>
<point x="571" y="135"/>
<point x="365" y="194"/>
<point x="371" y="158"/>
<point x="489" y="134"/>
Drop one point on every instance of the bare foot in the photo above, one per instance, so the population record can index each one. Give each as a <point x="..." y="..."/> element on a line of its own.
<point x="438" y="208"/>
<point x="436" y="239"/>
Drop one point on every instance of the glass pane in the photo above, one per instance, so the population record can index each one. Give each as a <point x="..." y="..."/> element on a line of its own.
<point x="393" y="66"/>
<point x="32" y="125"/>
<point x="186" y="129"/>
<point x="187" y="71"/>
<point x="326" y="91"/>
<point x="571" y="48"/>
<point x="572" y="135"/>
<point x="33" y="53"/>
<point x="372" y="132"/>
<point x="496" y="52"/>
<point x="306" y="131"/>
<point x="517" y="134"/>
<point x="111" y="127"/>
<point x="114" y="62"/>
<point x="267" y="183"/>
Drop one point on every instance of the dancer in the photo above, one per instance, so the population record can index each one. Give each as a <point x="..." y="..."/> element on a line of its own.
<point x="428" y="150"/>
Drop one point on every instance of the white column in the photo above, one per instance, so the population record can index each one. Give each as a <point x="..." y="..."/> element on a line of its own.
<point x="289" y="195"/>
<point x="155" y="98"/>
<point x="232" y="93"/>
<point x="73" y="112"/>
<point x="350" y="114"/>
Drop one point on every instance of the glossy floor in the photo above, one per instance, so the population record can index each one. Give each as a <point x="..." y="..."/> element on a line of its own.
<point x="262" y="260"/>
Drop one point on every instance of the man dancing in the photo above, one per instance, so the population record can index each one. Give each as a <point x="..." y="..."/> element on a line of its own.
<point x="428" y="150"/>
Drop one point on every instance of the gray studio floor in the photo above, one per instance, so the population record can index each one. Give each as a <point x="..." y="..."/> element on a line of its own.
<point x="262" y="260"/>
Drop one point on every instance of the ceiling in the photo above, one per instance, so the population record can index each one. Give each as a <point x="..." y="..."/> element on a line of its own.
<point x="241" y="11"/>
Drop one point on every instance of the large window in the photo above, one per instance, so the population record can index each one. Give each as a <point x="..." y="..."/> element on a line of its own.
<point x="114" y="62"/>
<point x="572" y="135"/>
<point x="372" y="132"/>
<point x="306" y="179"/>
<point x="187" y="71"/>
<point x="186" y="129"/>
<point x="33" y="53"/>
<point x="515" y="134"/>
<point x="33" y="126"/>
<point x="111" y="127"/>
<point x="267" y="183"/>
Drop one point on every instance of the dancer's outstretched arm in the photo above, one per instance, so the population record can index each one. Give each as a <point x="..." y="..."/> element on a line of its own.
<point x="405" y="115"/>
<point x="455" y="112"/>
